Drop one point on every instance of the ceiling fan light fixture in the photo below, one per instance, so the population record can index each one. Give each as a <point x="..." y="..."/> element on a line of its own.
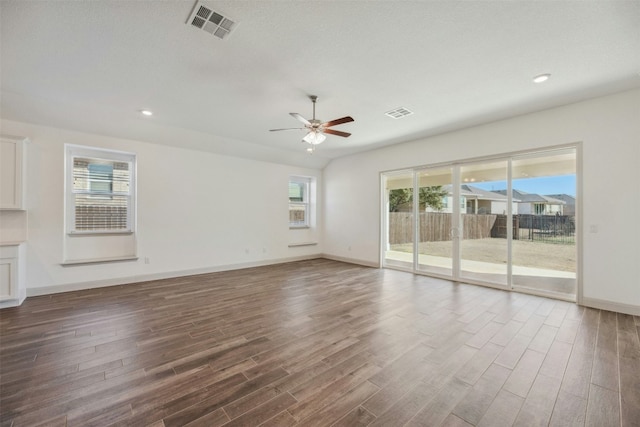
<point x="316" y="128"/>
<point x="314" y="138"/>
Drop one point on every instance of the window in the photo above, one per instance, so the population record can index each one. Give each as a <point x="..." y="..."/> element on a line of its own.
<point x="100" y="176"/>
<point x="100" y="191"/>
<point x="298" y="202"/>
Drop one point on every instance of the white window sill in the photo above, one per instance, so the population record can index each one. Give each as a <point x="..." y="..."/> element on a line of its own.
<point x="299" y="227"/>
<point x="99" y="233"/>
<point x="71" y="263"/>
<point x="295" y="245"/>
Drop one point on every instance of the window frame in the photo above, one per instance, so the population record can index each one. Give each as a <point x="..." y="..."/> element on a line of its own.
<point x="77" y="151"/>
<point x="305" y="203"/>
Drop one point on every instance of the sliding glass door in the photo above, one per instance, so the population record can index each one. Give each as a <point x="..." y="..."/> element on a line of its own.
<point x="435" y="221"/>
<point x="544" y="247"/>
<point x="399" y="218"/>
<point x="483" y="222"/>
<point x="508" y="222"/>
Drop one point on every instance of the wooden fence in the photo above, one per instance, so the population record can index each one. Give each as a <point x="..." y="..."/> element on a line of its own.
<point x="436" y="226"/>
<point x="499" y="229"/>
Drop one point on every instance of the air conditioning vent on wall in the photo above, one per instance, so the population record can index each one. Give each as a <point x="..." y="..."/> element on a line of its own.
<point x="214" y="23"/>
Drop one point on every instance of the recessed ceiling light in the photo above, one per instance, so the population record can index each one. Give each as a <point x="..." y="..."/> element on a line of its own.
<point x="147" y="112"/>
<point x="541" y="78"/>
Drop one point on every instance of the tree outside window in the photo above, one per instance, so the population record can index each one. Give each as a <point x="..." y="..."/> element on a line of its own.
<point x="433" y="197"/>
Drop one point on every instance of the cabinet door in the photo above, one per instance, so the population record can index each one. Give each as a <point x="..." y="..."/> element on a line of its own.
<point x="8" y="278"/>
<point x="11" y="173"/>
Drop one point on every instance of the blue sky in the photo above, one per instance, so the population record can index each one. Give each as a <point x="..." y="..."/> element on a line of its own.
<point x="564" y="184"/>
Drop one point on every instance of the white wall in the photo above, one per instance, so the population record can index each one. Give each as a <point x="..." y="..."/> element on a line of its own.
<point x="197" y="211"/>
<point x="525" y="208"/>
<point x="500" y="208"/>
<point x="607" y="127"/>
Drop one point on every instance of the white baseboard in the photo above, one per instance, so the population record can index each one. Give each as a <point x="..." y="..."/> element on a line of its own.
<point x="351" y="260"/>
<point x="611" y="306"/>
<point x="13" y="302"/>
<point x="9" y="303"/>
<point x="47" y="290"/>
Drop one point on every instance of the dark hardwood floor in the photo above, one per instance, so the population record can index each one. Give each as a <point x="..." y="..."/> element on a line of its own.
<point x="315" y="343"/>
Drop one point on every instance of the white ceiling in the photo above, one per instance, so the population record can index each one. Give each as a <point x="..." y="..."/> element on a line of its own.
<point x="92" y="65"/>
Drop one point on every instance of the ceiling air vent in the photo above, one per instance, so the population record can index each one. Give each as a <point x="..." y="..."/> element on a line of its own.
<point x="207" y="19"/>
<point x="398" y="113"/>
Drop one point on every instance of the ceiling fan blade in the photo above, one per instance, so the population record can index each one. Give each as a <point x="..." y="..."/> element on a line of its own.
<point x="335" y="122"/>
<point x="300" y="118"/>
<point x="337" y="132"/>
<point x="275" y="130"/>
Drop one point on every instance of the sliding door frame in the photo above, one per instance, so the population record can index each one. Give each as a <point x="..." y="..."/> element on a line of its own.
<point x="456" y="218"/>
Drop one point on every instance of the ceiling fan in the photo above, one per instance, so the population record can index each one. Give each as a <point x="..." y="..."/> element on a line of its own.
<point x="317" y="128"/>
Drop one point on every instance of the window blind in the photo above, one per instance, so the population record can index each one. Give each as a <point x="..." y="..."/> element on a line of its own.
<point x="102" y="194"/>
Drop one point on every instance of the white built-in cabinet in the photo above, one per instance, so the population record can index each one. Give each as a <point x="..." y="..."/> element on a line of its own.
<point x="8" y="272"/>
<point x="13" y="220"/>
<point x="12" y="291"/>
<point x="12" y="172"/>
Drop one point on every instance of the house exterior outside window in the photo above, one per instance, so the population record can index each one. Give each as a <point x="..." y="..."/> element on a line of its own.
<point x="299" y="202"/>
<point x="100" y="191"/>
